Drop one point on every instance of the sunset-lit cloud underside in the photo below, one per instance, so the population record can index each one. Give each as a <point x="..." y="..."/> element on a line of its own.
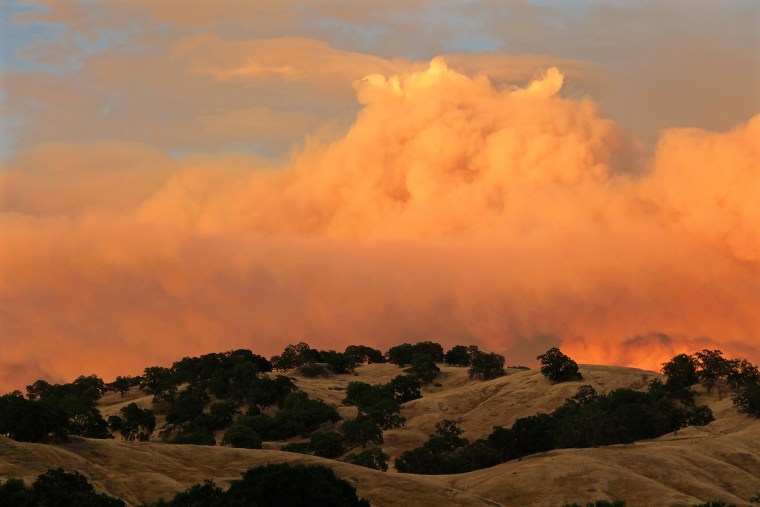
<point x="469" y="200"/>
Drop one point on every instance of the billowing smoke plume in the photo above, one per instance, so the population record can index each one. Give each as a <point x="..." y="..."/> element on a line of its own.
<point x="451" y="210"/>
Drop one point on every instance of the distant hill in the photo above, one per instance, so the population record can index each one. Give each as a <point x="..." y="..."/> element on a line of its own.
<point x="718" y="461"/>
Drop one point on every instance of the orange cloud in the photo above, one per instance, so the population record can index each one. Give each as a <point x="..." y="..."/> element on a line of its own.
<point x="452" y="210"/>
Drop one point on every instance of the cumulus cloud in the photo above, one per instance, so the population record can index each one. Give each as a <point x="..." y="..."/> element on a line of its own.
<point x="452" y="209"/>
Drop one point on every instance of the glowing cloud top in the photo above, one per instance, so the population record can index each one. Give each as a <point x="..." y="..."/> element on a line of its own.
<point x="470" y="199"/>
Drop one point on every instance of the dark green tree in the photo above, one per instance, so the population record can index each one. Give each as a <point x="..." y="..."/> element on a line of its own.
<point x="405" y="388"/>
<point x="135" y="423"/>
<point x="447" y="437"/>
<point x="30" y="420"/>
<point x="364" y="354"/>
<point x="193" y="438"/>
<point x="585" y="394"/>
<point x="294" y="356"/>
<point x="207" y="494"/>
<point x="742" y="374"/>
<point x="558" y="367"/>
<point x="63" y="489"/>
<point x="747" y="401"/>
<point x="14" y="493"/>
<point x="486" y="366"/>
<point x="341" y="363"/>
<point x="459" y="355"/>
<point x="327" y="444"/>
<point x="121" y="385"/>
<point x="361" y="431"/>
<point x="159" y="382"/>
<point x="433" y="349"/>
<point x="272" y="486"/>
<point x="712" y="367"/>
<point x="423" y="366"/>
<point x="682" y="373"/>
<point x="242" y="435"/>
<point x="401" y="355"/>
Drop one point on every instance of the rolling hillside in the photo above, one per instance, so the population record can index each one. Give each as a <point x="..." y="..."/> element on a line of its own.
<point x="717" y="461"/>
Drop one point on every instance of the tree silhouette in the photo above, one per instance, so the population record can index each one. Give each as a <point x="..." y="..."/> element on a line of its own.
<point x="486" y="366"/>
<point x="558" y="367"/>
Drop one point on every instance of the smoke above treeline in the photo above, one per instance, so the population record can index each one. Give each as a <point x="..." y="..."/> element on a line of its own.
<point x="453" y="209"/>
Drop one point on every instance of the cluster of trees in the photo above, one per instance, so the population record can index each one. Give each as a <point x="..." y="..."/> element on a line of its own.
<point x="313" y="362"/>
<point x="379" y="408"/>
<point x="218" y="387"/>
<point x="482" y="365"/>
<point x="297" y="414"/>
<point x="135" y="423"/>
<point x="264" y="486"/>
<point x="585" y="420"/>
<point x="59" y="409"/>
<point x="423" y="356"/>
<point x="55" y="488"/>
<point x="273" y="486"/>
<point x="232" y="391"/>
<point x="710" y="369"/>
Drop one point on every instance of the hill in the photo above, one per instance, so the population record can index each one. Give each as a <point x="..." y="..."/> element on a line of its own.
<point x="717" y="461"/>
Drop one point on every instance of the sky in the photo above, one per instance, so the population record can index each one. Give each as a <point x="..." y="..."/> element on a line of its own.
<point x="183" y="177"/>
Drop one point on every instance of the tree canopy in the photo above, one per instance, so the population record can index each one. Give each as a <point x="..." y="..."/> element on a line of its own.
<point x="558" y="367"/>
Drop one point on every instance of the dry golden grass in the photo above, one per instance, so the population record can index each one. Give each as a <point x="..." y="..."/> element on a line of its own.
<point x="719" y="461"/>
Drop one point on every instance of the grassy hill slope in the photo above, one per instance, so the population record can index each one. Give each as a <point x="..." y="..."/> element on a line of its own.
<point x="717" y="461"/>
